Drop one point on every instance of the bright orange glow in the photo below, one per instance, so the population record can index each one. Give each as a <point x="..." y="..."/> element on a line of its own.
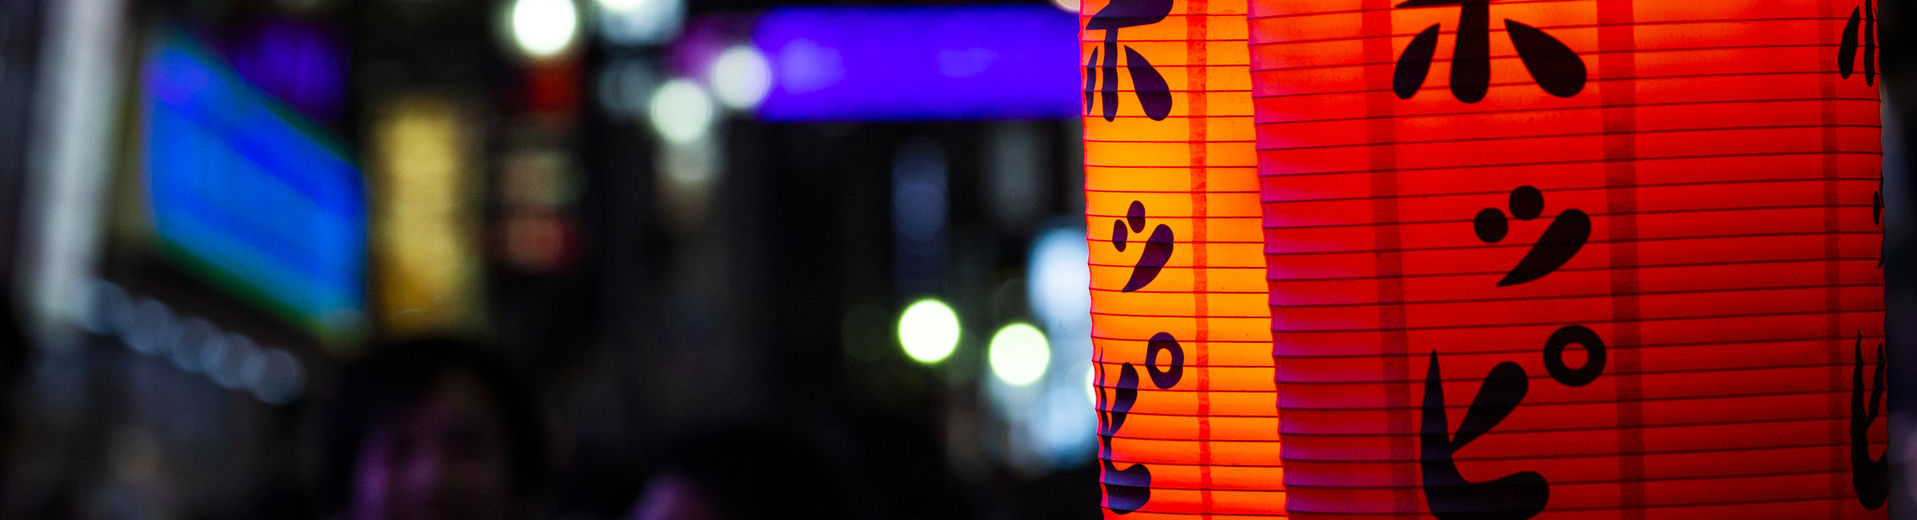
<point x="1177" y="186"/>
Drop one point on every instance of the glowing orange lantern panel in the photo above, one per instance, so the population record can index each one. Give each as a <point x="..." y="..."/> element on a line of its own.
<point x="1187" y="416"/>
<point x="1574" y="259"/>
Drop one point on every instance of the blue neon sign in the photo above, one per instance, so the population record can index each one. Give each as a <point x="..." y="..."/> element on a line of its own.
<point x="247" y="194"/>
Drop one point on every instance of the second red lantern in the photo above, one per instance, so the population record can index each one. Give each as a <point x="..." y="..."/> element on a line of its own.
<point x="1573" y="259"/>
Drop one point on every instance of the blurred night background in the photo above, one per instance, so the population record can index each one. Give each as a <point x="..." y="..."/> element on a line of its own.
<point x="579" y="259"/>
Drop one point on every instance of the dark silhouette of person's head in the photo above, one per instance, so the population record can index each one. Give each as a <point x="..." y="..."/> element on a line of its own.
<point x="434" y="429"/>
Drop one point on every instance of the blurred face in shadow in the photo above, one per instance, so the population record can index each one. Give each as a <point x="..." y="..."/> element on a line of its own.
<point x="444" y="456"/>
<point x="672" y="497"/>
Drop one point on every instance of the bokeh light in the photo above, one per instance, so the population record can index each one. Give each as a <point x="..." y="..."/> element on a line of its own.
<point x="543" y="28"/>
<point x="741" y="77"/>
<point x="929" y="331"/>
<point x="1019" y="354"/>
<point x="1060" y="288"/>
<point x="681" y="111"/>
<point x="621" y="6"/>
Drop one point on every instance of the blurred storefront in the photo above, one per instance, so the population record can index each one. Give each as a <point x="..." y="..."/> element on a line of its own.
<point x="674" y="219"/>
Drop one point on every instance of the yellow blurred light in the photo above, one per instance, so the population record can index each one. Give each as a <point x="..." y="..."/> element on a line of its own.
<point x="424" y="219"/>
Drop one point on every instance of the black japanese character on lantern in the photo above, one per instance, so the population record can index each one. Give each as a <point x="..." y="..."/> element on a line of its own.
<point x="1568" y="233"/>
<point x="1154" y="95"/>
<point x="1128" y="489"/>
<point x="1158" y="246"/>
<point x="1869" y="476"/>
<point x="1552" y="64"/>
<point x="1877" y="216"/>
<point x="1512" y="497"/>
<point x="1847" y="46"/>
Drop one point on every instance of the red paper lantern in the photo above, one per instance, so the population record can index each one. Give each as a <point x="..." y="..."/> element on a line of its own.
<point x="1573" y="259"/>
<point x="1187" y="417"/>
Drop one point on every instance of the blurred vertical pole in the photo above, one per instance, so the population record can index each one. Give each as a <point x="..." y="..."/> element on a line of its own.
<point x="62" y="210"/>
<point x="65" y="187"/>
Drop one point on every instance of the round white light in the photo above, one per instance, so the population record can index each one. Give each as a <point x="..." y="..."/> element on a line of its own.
<point x="1019" y="354"/>
<point x="544" y="27"/>
<point x="274" y="376"/>
<point x="621" y="6"/>
<point x="624" y="86"/>
<point x="681" y="111"/>
<point x="929" y="331"/>
<point x="1059" y="285"/>
<point x="225" y="360"/>
<point x="741" y="77"/>
<point x="625" y="23"/>
<point x="193" y="337"/>
<point x="155" y="328"/>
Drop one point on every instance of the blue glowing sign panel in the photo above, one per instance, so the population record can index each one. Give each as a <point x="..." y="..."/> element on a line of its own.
<point x="246" y="194"/>
<point x="940" y="63"/>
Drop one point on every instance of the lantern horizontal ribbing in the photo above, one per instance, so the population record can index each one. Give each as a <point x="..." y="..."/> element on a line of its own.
<point x="1573" y="259"/>
<point x="1187" y="417"/>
